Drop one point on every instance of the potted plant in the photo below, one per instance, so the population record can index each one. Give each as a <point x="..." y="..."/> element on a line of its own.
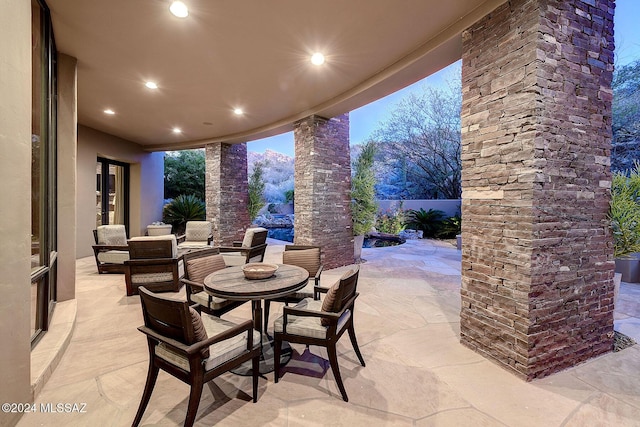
<point x="624" y="215"/>
<point x="363" y="196"/>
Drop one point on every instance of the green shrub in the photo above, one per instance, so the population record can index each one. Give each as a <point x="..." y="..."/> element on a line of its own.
<point x="363" y="193"/>
<point x="624" y="212"/>
<point x="289" y="196"/>
<point x="183" y="208"/>
<point x="390" y="222"/>
<point x="256" y="190"/>
<point x="428" y="221"/>
<point x="449" y="228"/>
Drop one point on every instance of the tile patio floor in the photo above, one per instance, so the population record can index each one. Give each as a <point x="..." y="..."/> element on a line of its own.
<point x="417" y="373"/>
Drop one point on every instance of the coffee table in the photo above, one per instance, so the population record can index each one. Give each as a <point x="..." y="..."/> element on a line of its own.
<point x="231" y="284"/>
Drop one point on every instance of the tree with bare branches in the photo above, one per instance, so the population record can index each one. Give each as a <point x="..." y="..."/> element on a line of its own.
<point x="420" y="143"/>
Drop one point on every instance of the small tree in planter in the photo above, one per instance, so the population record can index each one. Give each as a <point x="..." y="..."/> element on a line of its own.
<point x="624" y="214"/>
<point x="256" y="190"/>
<point x="363" y="195"/>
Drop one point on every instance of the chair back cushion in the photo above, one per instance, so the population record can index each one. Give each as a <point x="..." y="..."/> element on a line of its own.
<point x="309" y="259"/>
<point x="197" y="231"/>
<point x="114" y="235"/>
<point x="254" y="236"/>
<point x="199" y="331"/>
<point x="199" y="268"/>
<point x="339" y="293"/>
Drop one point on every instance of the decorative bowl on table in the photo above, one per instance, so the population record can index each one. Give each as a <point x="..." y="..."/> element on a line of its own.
<point x="258" y="270"/>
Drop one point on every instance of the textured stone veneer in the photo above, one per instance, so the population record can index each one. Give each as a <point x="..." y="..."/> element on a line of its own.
<point x="226" y="191"/>
<point x="323" y="188"/>
<point x="537" y="264"/>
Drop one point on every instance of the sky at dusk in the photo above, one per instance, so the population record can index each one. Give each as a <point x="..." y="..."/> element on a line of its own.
<point x="365" y="120"/>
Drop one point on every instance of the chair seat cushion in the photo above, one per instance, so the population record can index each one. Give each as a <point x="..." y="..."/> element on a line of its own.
<point x="113" y="257"/>
<point x="142" y="278"/>
<point x="219" y="352"/>
<point x="309" y="326"/>
<point x="158" y="277"/>
<point x="194" y="244"/>
<point x="215" y="303"/>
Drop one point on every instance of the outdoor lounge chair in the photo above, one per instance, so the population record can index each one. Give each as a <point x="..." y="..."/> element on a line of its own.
<point x="110" y="250"/>
<point x="193" y="348"/>
<point x="321" y="323"/>
<point x="197" y="234"/>
<point x="154" y="264"/>
<point x="309" y="258"/>
<point x="251" y="249"/>
<point x="197" y="266"/>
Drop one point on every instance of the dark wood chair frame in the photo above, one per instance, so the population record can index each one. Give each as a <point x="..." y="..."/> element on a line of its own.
<point x="169" y="322"/>
<point x="257" y="248"/>
<point x="105" y="267"/>
<point x="192" y="287"/>
<point x="347" y="296"/>
<point x="152" y="256"/>
<point x="293" y="299"/>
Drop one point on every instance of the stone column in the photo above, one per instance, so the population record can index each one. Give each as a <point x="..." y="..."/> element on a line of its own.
<point x="226" y="189"/>
<point x="537" y="257"/>
<point x="323" y="188"/>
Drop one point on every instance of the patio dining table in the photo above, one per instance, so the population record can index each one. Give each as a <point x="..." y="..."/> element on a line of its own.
<point x="231" y="283"/>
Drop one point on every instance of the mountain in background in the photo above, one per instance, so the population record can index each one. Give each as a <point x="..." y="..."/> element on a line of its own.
<point x="278" y="173"/>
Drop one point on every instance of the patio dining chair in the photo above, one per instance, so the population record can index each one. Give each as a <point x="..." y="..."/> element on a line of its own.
<point x="251" y="249"/>
<point x="197" y="266"/>
<point x="309" y="258"/>
<point x="193" y="348"/>
<point x="321" y="323"/>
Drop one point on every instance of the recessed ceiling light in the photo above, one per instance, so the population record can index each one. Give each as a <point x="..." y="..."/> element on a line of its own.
<point x="317" y="58"/>
<point x="151" y="85"/>
<point x="176" y="130"/>
<point x="179" y="9"/>
<point x="238" y="111"/>
<point x="109" y="112"/>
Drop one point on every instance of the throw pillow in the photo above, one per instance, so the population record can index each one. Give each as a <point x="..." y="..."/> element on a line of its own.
<point x="199" y="268"/>
<point x="309" y="259"/>
<point x="200" y="333"/>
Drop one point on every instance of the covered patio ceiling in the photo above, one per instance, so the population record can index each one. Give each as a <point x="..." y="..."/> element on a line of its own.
<point x="247" y="54"/>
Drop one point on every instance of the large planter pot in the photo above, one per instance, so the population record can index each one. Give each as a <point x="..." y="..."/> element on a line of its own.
<point x="358" y="241"/>
<point x="629" y="267"/>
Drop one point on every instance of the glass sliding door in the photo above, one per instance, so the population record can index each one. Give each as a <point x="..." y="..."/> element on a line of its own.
<point x="43" y="171"/>
<point x="112" y="192"/>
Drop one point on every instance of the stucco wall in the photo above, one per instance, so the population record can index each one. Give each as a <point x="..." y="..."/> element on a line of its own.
<point x="15" y="208"/>
<point x="67" y="149"/>
<point x="146" y="186"/>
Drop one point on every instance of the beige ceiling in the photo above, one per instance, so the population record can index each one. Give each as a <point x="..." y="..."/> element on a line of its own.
<point x="251" y="54"/>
